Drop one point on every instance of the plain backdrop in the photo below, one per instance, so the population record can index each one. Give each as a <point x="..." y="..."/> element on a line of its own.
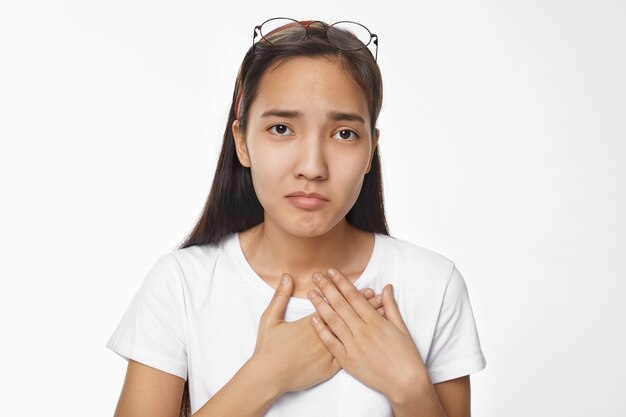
<point x="503" y="144"/>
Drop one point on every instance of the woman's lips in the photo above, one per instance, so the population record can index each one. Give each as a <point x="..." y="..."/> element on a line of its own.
<point x="307" y="202"/>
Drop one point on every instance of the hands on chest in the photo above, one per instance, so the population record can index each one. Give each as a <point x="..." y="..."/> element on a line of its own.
<point x="351" y="329"/>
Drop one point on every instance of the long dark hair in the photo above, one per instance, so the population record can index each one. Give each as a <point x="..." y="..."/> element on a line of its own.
<point x="232" y="205"/>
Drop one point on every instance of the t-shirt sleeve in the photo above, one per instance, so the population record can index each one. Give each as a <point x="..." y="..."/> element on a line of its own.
<point x="152" y="330"/>
<point x="455" y="350"/>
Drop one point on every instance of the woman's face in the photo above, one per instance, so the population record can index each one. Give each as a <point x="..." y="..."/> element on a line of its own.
<point x="308" y="130"/>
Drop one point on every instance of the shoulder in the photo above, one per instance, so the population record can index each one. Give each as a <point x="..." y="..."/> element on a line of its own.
<point x="194" y="261"/>
<point x="411" y="255"/>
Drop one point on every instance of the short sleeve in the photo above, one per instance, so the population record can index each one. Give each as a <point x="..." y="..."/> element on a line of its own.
<point x="455" y="350"/>
<point x="152" y="330"/>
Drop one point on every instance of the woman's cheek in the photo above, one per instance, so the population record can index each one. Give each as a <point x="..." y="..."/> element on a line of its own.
<point x="267" y="186"/>
<point x="353" y="183"/>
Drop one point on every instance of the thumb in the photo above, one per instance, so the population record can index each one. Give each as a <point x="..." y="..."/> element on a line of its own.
<point x="275" y="311"/>
<point x="392" y="312"/>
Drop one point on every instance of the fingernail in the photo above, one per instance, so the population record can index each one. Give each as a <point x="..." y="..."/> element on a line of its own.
<point x="317" y="277"/>
<point x="284" y="279"/>
<point x="379" y="299"/>
<point x="332" y="272"/>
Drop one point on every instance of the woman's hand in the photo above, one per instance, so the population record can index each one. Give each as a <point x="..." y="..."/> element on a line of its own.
<point x="377" y="351"/>
<point x="292" y="351"/>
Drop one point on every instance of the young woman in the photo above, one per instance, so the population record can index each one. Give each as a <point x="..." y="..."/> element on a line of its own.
<point x="236" y="322"/>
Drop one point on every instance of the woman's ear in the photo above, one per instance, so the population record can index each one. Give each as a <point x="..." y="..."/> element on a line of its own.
<point x="374" y="144"/>
<point x="240" y="145"/>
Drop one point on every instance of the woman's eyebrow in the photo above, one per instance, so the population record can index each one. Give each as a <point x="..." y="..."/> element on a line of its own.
<point x="290" y="114"/>
<point x="294" y="114"/>
<point x="351" y="117"/>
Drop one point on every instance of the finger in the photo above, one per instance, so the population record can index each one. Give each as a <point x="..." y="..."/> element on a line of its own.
<point x="392" y="311"/>
<point x="368" y="293"/>
<point x="349" y="292"/>
<point x="337" y="301"/>
<point x="330" y="316"/>
<point x="328" y="338"/>
<point x="275" y="311"/>
<point x="371" y="297"/>
<point x="376" y="302"/>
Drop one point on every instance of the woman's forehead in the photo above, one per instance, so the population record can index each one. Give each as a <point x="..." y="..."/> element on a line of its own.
<point x="306" y="83"/>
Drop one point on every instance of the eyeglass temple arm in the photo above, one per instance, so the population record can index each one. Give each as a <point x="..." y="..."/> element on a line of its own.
<point x="254" y="34"/>
<point x="375" y="37"/>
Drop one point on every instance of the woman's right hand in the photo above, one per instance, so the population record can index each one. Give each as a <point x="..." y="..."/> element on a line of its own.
<point x="293" y="351"/>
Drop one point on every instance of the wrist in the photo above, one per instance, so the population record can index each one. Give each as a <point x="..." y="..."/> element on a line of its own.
<point x="256" y="367"/>
<point x="421" y="400"/>
<point x="416" y="385"/>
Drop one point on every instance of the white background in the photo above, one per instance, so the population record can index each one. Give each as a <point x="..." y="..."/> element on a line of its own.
<point x="503" y="145"/>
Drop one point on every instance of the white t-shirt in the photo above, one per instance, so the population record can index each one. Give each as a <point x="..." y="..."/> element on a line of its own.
<point x="196" y="315"/>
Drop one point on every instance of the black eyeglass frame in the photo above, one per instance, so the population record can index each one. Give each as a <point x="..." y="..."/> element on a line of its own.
<point x="326" y="26"/>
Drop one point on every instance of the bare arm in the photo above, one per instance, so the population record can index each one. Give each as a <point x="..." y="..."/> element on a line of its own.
<point x="446" y="399"/>
<point x="455" y="396"/>
<point x="149" y="392"/>
<point x="248" y="394"/>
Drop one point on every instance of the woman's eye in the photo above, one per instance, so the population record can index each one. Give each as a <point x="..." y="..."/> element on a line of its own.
<point x="280" y="130"/>
<point x="345" y="134"/>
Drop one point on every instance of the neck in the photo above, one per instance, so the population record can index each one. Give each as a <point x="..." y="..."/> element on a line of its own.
<point x="272" y="251"/>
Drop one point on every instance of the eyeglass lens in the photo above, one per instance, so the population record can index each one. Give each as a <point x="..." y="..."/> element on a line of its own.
<point x="272" y="28"/>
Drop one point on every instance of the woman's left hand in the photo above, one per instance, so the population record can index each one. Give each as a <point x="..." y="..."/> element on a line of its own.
<point x="377" y="351"/>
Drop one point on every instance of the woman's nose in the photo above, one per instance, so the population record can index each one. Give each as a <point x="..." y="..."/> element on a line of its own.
<point x="311" y="160"/>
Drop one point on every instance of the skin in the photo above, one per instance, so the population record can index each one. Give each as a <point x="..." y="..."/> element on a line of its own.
<point x="307" y="150"/>
<point x="380" y="352"/>
<point x="306" y="153"/>
<point x="150" y="392"/>
<point x="309" y="153"/>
